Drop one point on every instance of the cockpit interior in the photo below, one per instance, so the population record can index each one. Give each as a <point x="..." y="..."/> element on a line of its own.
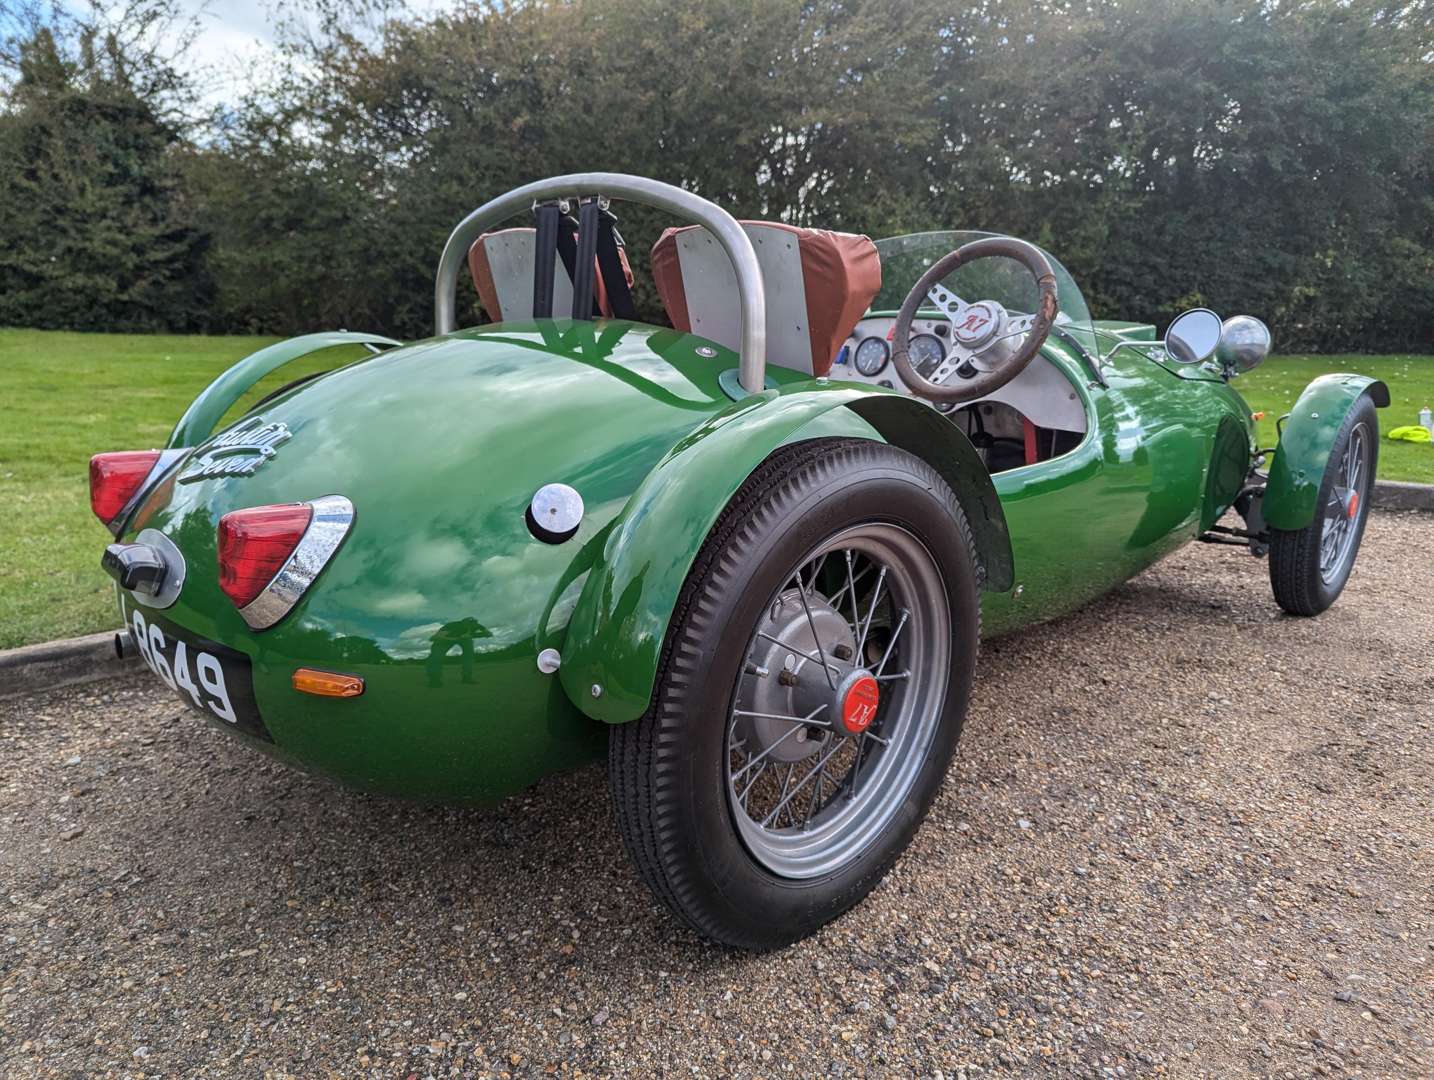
<point x="831" y="302"/>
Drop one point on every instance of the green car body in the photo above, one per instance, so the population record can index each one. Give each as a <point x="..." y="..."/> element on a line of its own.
<point x="479" y="653"/>
<point x="441" y="599"/>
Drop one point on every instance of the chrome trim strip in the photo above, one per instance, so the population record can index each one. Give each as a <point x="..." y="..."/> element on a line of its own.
<point x="333" y="516"/>
<point x="751" y="291"/>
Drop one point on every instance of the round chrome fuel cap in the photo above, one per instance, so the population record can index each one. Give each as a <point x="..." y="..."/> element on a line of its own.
<point x="555" y="513"/>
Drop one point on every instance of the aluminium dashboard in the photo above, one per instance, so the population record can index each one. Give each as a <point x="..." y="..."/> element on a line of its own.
<point x="1041" y="392"/>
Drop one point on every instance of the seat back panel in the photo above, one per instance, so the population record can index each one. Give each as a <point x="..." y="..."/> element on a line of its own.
<point x="502" y="266"/>
<point x="710" y="285"/>
<point x="818" y="285"/>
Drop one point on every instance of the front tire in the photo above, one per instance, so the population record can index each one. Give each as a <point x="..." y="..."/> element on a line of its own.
<point x="1309" y="567"/>
<point x="809" y="697"/>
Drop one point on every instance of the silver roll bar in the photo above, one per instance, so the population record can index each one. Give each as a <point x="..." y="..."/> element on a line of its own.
<point x="751" y="293"/>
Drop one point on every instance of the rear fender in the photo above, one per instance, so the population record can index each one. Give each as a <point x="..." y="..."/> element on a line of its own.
<point x="1305" y="444"/>
<point x="199" y="420"/>
<point x="617" y="629"/>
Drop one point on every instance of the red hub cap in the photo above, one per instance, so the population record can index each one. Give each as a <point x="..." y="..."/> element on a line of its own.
<point x="858" y="707"/>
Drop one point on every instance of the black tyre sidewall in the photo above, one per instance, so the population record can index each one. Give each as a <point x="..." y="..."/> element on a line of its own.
<point x="820" y="499"/>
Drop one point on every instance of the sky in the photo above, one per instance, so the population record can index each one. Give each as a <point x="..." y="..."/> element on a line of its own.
<point x="233" y="36"/>
<point x="236" y="36"/>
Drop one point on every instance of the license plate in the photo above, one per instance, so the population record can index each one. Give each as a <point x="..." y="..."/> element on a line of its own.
<point x="208" y="677"/>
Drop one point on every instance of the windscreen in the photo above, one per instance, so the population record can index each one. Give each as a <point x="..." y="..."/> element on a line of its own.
<point x="905" y="258"/>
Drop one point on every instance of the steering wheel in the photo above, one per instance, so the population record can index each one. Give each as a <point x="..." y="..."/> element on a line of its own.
<point x="983" y="334"/>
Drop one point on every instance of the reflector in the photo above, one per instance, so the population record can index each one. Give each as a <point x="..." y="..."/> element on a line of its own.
<point x="114" y="478"/>
<point x="254" y="544"/>
<point x="327" y="683"/>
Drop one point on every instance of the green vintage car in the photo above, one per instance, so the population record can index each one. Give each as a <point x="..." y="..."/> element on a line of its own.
<point x="749" y="556"/>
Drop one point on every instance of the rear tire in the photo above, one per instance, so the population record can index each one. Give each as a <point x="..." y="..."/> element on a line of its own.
<point x="1309" y="567"/>
<point x="682" y="775"/>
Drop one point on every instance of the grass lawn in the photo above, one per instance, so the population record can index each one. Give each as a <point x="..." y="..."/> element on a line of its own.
<point x="1275" y="384"/>
<point x="66" y="396"/>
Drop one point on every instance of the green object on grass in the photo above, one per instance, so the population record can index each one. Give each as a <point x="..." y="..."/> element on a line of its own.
<point x="1412" y="433"/>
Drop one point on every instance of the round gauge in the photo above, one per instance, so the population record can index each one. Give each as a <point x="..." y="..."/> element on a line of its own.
<point x="926" y="352"/>
<point x="871" y="356"/>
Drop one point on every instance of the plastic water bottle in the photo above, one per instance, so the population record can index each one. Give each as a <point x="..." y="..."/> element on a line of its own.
<point x="1426" y="420"/>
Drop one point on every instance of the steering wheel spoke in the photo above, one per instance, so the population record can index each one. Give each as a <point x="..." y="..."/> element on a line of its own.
<point x="947" y="302"/>
<point x="975" y="327"/>
<point x="1016" y="325"/>
<point x="955" y="358"/>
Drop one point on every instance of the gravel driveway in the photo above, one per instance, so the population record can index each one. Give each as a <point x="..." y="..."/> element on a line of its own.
<point x="1185" y="836"/>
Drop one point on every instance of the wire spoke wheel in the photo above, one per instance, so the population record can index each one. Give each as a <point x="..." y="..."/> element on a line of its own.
<point x="837" y="701"/>
<point x="1342" y="507"/>
<point x="810" y="693"/>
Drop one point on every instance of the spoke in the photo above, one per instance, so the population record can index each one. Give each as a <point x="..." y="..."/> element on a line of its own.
<point x="781" y="716"/>
<point x="875" y="599"/>
<point x="1330" y="550"/>
<point x="898" y="675"/>
<point x="855" y="768"/>
<point x="900" y="625"/>
<point x="946" y="300"/>
<point x="850" y="584"/>
<point x="786" y="783"/>
<point x="760" y="757"/>
<point x="1021" y="332"/>
<point x="803" y="783"/>
<point x="795" y="651"/>
<point x="821" y="563"/>
<point x="835" y="601"/>
<point x="816" y="797"/>
<point x="742" y="798"/>
<point x="812" y="624"/>
<point x="790" y="732"/>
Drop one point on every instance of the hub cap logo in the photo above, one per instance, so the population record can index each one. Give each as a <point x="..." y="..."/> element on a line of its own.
<point x="858" y="708"/>
<point x="976" y="326"/>
<point x="238" y="452"/>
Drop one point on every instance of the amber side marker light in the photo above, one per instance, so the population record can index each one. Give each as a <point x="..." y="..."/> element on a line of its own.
<point x="327" y="683"/>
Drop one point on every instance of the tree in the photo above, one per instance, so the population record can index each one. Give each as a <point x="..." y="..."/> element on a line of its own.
<point x="98" y="233"/>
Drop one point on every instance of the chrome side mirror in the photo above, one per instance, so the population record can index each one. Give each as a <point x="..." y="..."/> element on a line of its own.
<point x="1194" y="336"/>
<point x="1244" y="344"/>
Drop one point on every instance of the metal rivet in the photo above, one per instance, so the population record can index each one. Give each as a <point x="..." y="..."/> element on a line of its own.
<point x="706" y="350"/>
<point x="549" y="660"/>
<point x="597" y="689"/>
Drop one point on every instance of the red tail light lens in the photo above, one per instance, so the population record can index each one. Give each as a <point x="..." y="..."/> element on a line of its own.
<point x="253" y="545"/>
<point x="114" y="478"/>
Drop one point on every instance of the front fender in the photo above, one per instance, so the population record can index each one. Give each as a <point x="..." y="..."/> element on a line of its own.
<point x="615" y="635"/>
<point x="1305" y="444"/>
<point x="198" y="421"/>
